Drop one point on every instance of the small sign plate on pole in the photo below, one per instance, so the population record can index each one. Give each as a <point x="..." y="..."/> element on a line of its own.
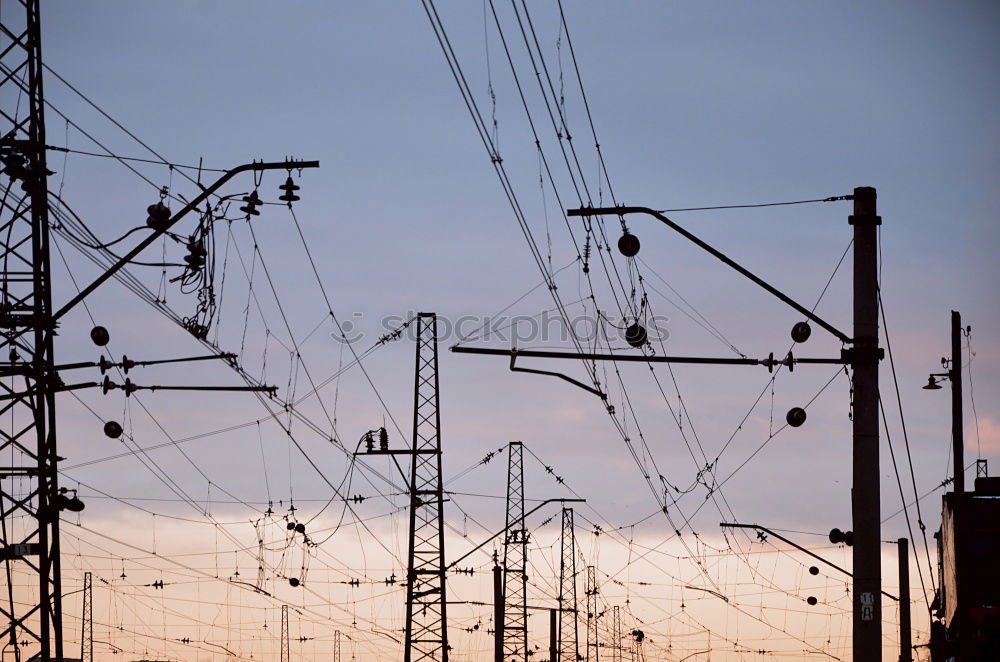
<point x="868" y="606"/>
<point x="18" y="551"/>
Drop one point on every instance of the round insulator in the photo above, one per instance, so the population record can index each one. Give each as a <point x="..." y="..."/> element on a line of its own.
<point x="813" y="570"/>
<point x="635" y="335"/>
<point x="159" y="214"/>
<point x="291" y="526"/>
<point x="628" y="245"/>
<point x="811" y="600"/>
<point x="300" y="527"/>
<point x="293" y="581"/>
<point x="796" y="416"/>
<point x="836" y="536"/>
<point x="801" y="331"/>
<point x="100" y="336"/>
<point x="113" y="429"/>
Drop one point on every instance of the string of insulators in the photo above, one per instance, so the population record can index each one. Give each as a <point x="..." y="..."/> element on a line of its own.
<point x="197" y="253"/>
<point x="158" y="215"/>
<point x="252" y="202"/>
<point x="586" y="255"/>
<point x="289" y="188"/>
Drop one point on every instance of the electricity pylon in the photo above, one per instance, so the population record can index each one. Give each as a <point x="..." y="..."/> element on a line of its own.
<point x="29" y="536"/>
<point x="284" y="634"/>
<point x="87" y="630"/>
<point x="426" y="616"/>
<point x="515" y="557"/>
<point x="336" y="646"/>
<point x="568" y="635"/>
<point x="591" y="592"/>
<point x="616" y="635"/>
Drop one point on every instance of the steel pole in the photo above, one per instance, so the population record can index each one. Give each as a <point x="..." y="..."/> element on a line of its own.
<point x="867" y="633"/>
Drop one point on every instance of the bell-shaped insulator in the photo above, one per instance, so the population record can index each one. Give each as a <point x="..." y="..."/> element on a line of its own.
<point x="289" y="188"/>
<point x="159" y="215"/>
<point x="252" y="202"/>
<point x="196" y="255"/>
<point x="14" y="166"/>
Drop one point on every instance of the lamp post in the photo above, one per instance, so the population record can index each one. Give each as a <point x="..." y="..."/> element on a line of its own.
<point x="954" y="375"/>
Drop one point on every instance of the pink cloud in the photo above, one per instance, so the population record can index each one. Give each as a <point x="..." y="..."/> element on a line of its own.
<point x="989" y="435"/>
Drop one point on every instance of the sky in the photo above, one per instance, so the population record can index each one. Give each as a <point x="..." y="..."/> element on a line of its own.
<point x="693" y="105"/>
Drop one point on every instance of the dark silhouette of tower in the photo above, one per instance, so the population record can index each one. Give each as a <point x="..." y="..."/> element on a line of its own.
<point x="284" y="634"/>
<point x="30" y="533"/>
<point x="426" y="617"/>
<point x="87" y="629"/>
<point x="616" y="635"/>
<point x="591" y="592"/>
<point x="515" y="558"/>
<point x="568" y="635"/>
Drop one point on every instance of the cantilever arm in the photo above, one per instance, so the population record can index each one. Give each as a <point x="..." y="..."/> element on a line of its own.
<point x="734" y="525"/>
<point x="484" y="543"/>
<point x="142" y="245"/>
<point x="621" y="210"/>
<point x="513" y="368"/>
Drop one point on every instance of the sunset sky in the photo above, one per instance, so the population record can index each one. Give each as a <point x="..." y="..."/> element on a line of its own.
<point x="694" y="104"/>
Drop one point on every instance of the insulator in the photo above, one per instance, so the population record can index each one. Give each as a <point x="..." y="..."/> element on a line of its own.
<point x="100" y="336"/>
<point x="813" y="570"/>
<point x="291" y="526"/>
<point x="635" y="335"/>
<point x="293" y="581"/>
<point x="811" y="600"/>
<point x="796" y="416"/>
<point x="837" y="536"/>
<point x="801" y="331"/>
<point x="300" y="527"/>
<point x="113" y="429"/>
<point x="289" y="188"/>
<point x="383" y="439"/>
<point x="196" y="255"/>
<point x="628" y="245"/>
<point x="159" y="215"/>
<point x="252" y="202"/>
<point x="14" y="166"/>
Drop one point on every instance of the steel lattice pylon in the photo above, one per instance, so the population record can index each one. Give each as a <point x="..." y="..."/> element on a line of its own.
<point x="426" y="617"/>
<point x="29" y="491"/>
<point x="87" y="631"/>
<point x="568" y="635"/>
<point x="285" y="652"/>
<point x="591" y="592"/>
<point x="616" y="635"/>
<point x="515" y="558"/>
